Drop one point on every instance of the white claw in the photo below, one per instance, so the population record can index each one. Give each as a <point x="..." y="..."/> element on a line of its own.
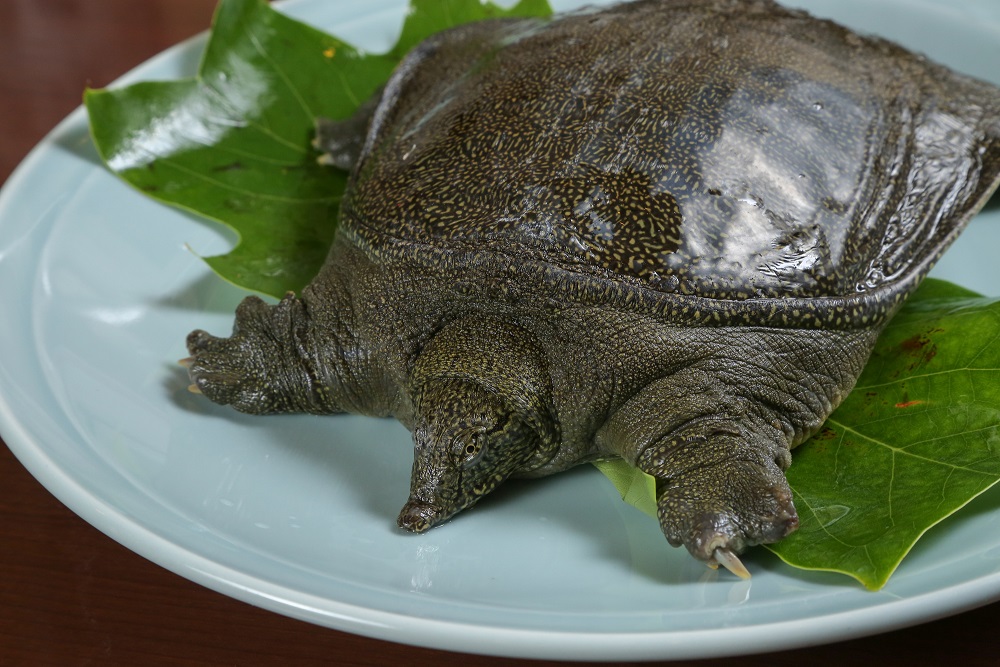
<point x="186" y="362"/>
<point x="727" y="559"/>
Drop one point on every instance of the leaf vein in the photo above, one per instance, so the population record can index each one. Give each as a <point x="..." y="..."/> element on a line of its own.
<point x="822" y="527"/>
<point x="916" y="376"/>
<point x="296" y="93"/>
<point x="243" y="120"/>
<point x="257" y="195"/>
<point x="904" y="450"/>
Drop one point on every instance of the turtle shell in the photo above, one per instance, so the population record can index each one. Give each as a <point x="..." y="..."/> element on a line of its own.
<point x="751" y="158"/>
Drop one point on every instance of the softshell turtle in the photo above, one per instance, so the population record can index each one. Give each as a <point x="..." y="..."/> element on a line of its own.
<point x="668" y="231"/>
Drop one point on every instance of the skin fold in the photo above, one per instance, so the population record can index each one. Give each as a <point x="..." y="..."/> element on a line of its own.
<point x="669" y="231"/>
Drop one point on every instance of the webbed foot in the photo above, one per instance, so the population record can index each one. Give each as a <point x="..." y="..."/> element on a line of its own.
<point x="263" y="367"/>
<point x="721" y="489"/>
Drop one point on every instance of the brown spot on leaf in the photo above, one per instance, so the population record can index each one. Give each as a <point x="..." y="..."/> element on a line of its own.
<point x="908" y="404"/>
<point x="920" y="348"/>
<point x="826" y="433"/>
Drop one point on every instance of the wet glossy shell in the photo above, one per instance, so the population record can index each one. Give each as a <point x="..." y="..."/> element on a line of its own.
<point x="732" y="152"/>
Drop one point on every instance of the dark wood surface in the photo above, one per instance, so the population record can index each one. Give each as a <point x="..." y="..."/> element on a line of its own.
<point x="69" y="595"/>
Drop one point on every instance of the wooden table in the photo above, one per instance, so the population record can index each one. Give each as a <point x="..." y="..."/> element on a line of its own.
<point x="69" y="595"/>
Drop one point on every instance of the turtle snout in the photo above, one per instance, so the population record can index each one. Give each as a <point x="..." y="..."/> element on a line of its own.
<point x="417" y="516"/>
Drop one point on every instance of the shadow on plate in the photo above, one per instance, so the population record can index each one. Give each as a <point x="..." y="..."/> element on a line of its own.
<point x="376" y="473"/>
<point x="994" y="203"/>
<point x="75" y="140"/>
<point x="207" y="294"/>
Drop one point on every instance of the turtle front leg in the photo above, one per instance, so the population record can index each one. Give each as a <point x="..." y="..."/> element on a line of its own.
<point x="719" y="466"/>
<point x="716" y="424"/>
<point x="720" y="488"/>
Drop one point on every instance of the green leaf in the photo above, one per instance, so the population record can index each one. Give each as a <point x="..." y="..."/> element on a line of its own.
<point x="916" y="440"/>
<point x="233" y="144"/>
<point x="636" y="487"/>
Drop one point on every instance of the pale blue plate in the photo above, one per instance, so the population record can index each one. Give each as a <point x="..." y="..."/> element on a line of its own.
<point x="296" y="514"/>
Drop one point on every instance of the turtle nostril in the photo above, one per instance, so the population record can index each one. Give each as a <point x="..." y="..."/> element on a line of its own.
<point x="417" y="516"/>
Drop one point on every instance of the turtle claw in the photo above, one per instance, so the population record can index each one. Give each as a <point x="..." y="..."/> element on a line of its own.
<point x="728" y="559"/>
<point x="187" y="363"/>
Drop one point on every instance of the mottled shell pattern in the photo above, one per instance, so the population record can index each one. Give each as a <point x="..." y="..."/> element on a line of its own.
<point x="801" y="180"/>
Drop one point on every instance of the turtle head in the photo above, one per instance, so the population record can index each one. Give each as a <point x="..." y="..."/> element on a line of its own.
<point x="467" y="442"/>
<point x="482" y="413"/>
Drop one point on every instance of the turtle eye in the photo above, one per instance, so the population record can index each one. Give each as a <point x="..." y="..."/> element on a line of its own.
<point x="473" y="450"/>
